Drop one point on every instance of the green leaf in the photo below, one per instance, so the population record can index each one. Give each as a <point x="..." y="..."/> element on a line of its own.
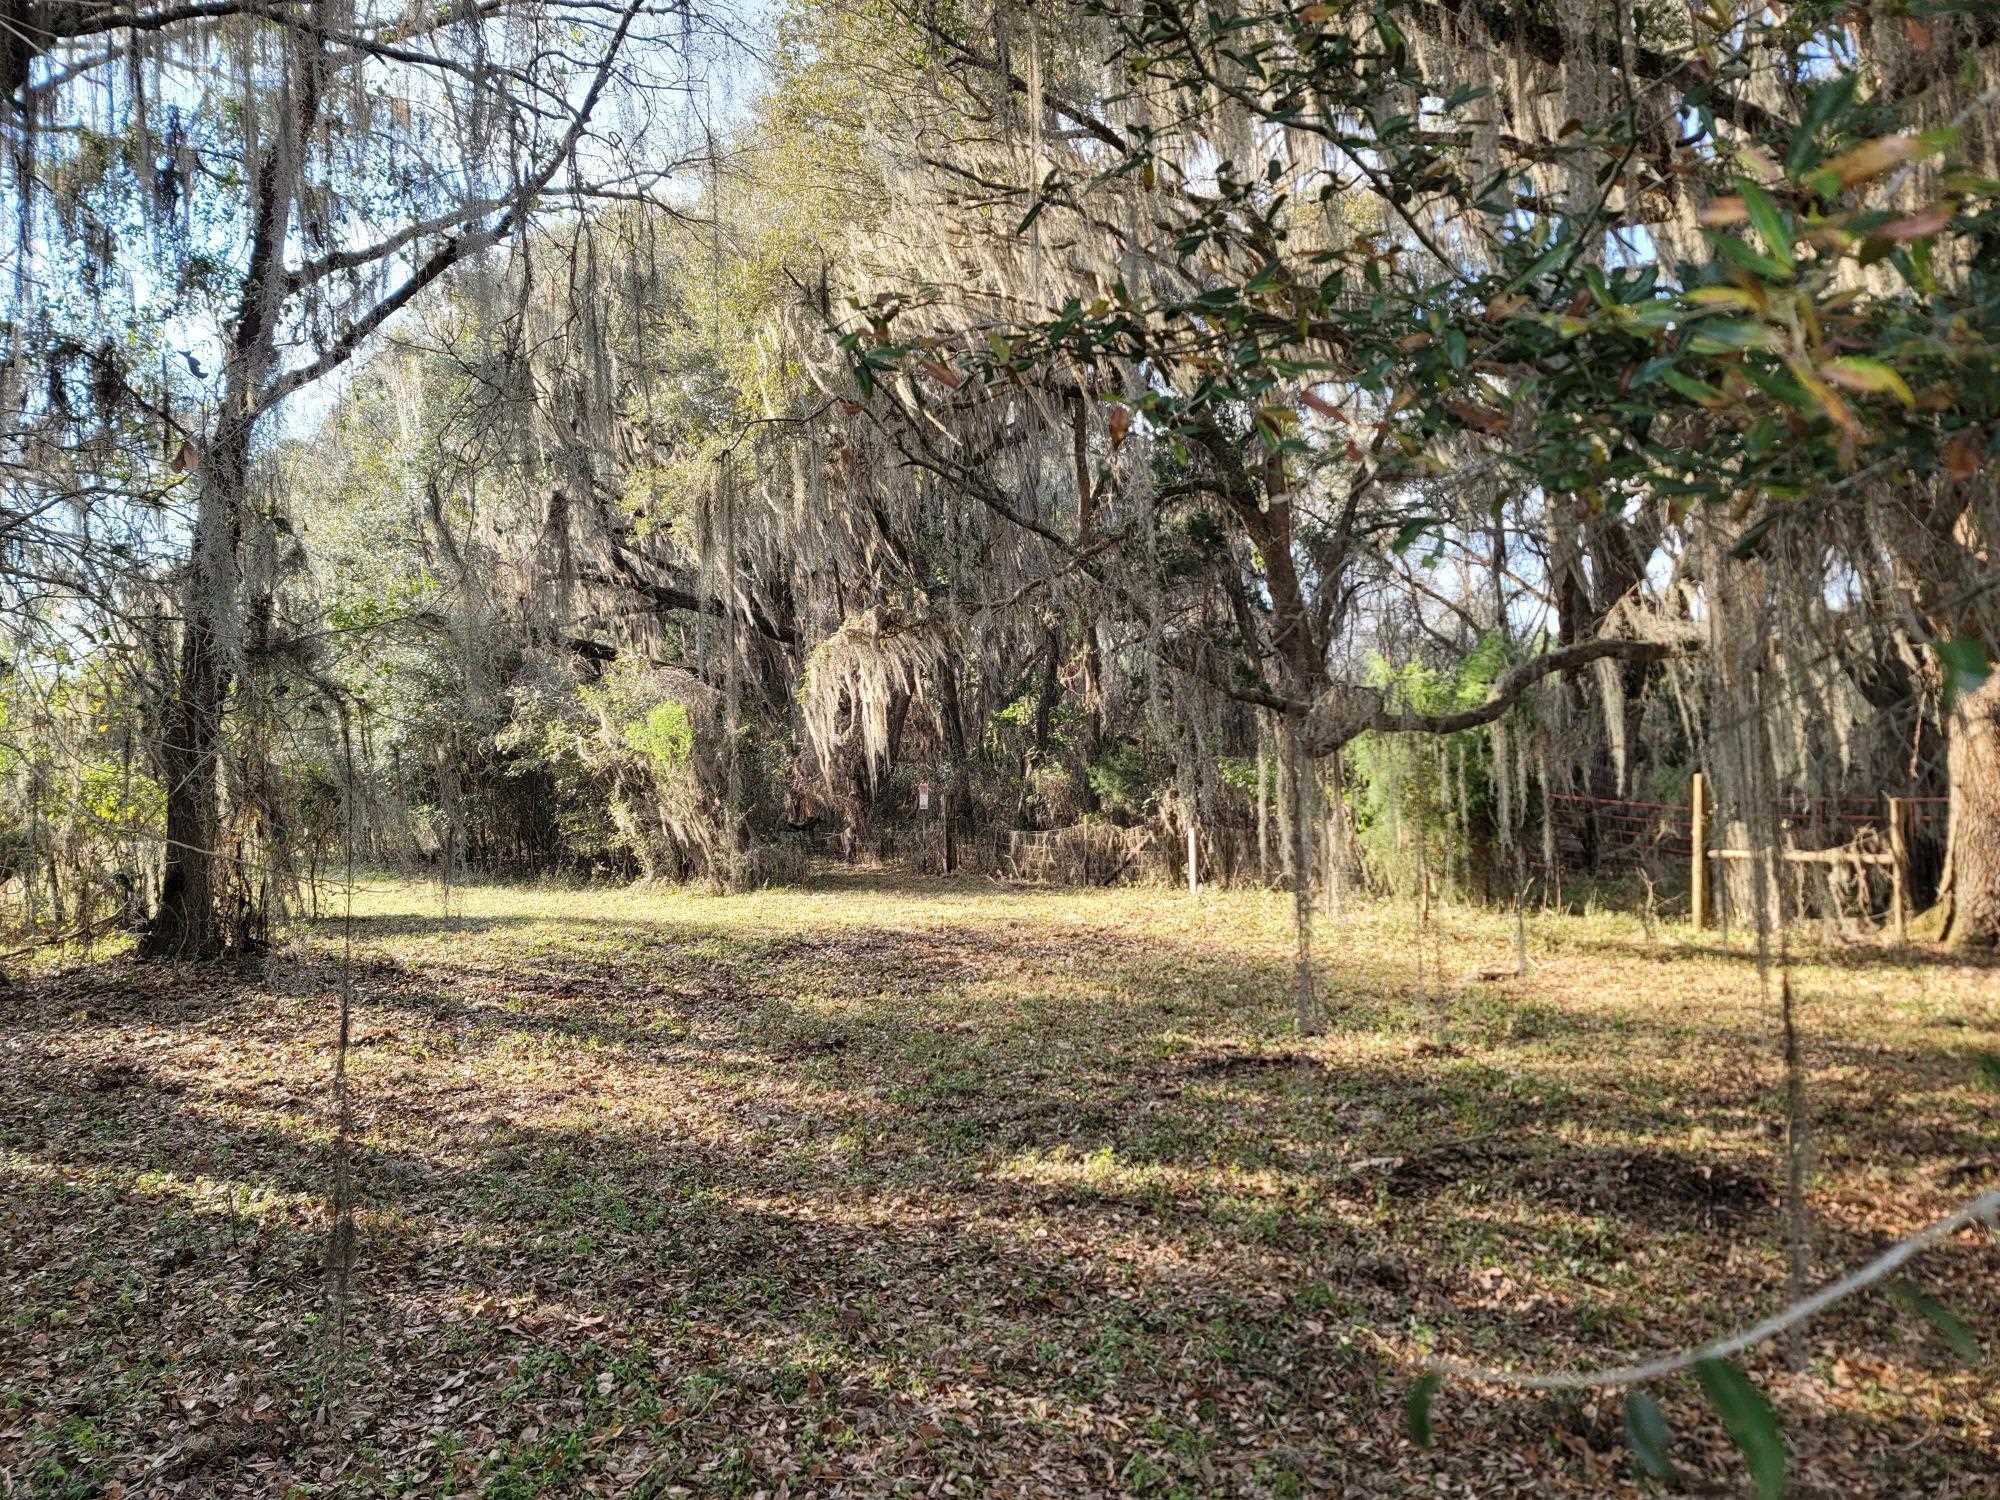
<point x="1822" y="106"/>
<point x="1725" y="296"/>
<point x="1697" y="391"/>
<point x="1915" y="266"/>
<point x="1869" y="376"/>
<point x="1727" y="335"/>
<point x="1756" y="262"/>
<point x="1937" y="138"/>
<point x="1964" y="1343"/>
<point x="1647" y="1434"/>
<point x="1750" y="1422"/>
<point x="1657" y="312"/>
<point x="1417" y="1410"/>
<point x="1548" y="261"/>
<point x="1408" y="533"/>
<point x="1753" y="535"/>
<point x="1768" y="222"/>
<point x="1778" y="385"/>
<point x="1966" y="666"/>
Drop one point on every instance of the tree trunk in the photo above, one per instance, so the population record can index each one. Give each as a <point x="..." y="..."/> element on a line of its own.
<point x="1093" y="664"/>
<point x="186" y="925"/>
<point x="958" y="747"/>
<point x="1968" y="910"/>
<point x="1045" y="700"/>
<point x="1029" y="814"/>
<point x="1263" y="808"/>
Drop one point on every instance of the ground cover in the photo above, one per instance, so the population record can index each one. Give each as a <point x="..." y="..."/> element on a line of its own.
<point x="893" y="1186"/>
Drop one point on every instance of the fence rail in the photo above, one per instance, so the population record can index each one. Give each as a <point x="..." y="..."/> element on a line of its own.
<point x="1892" y="815"/>
<point x="1607" y="835"/>
<point x="1599" y="834"/>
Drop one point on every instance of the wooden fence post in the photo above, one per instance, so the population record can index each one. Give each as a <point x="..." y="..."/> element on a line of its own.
<point x="1698" y="838"/>
<point x="1899" y="879"/>
<point x="950" y="843"/>
<point x="1193" y="876"/>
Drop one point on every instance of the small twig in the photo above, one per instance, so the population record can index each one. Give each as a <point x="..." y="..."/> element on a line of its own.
<point x="1417" y="1153"/>
<point x="1986" y="1206"/>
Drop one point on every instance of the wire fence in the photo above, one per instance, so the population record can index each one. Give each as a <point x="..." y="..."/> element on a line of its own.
<point x="1623" y="839"/>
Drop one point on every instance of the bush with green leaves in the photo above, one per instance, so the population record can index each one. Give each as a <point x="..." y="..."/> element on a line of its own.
<point x="1127" y="780"/>
<point x="1422" y="804"/>
<point x="664" y="737"/>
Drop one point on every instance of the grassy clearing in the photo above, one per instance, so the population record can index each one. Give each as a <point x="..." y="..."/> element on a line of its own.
<point x="903" y="1187"/>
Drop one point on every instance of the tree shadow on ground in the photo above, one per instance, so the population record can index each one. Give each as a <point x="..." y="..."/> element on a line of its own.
<point x="916" y="1206"/>
<point x="1915" y="958"/>
<point x="583" y="1253"/>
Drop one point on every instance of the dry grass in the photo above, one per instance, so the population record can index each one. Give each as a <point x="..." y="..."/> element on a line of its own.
<point x="891" y="1187"/>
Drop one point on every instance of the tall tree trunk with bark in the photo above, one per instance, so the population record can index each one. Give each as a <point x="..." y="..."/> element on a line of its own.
<point x="186" y="924"/>
<point x="1944" y="564"/>
<point x="1969" y="902"/>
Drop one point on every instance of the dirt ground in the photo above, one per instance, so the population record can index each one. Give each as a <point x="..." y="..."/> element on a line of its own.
<point x="887" y="1187"/>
